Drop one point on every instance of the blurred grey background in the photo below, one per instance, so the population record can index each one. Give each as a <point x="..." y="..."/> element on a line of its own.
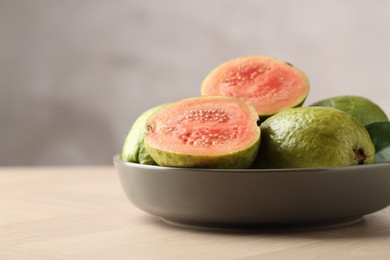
<point x="75" y="74"/>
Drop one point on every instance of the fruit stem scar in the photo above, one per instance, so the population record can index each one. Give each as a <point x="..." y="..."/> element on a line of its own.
<point x="359" y="155"/>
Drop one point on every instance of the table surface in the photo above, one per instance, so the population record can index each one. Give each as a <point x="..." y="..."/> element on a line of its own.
<point x="82" y="213"/>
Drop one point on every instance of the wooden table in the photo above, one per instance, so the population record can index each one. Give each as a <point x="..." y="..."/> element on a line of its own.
<point x="82" y="213"/>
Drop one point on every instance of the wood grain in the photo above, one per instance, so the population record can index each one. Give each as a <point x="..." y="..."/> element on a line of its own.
<point x="82" y="213"/>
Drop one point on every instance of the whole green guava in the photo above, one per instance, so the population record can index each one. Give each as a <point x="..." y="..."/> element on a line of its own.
<point x="133" y="149"/>
<point x="363" y="109"/>
<point x="313" y="137"/>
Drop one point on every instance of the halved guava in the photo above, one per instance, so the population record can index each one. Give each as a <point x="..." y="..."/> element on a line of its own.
<point x="204" y="132"/>
<point x="268" y="84"/>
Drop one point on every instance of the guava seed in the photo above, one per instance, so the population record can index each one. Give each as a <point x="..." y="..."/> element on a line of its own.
<point x="198" y="115"/>
<point x="207" y="136"/>
<point x="242" y="75"/>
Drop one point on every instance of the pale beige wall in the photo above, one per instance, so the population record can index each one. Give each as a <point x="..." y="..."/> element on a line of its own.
<point x="75" y="74"/>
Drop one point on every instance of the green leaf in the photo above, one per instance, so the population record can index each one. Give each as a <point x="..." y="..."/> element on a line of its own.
<point x="380" y="136"/>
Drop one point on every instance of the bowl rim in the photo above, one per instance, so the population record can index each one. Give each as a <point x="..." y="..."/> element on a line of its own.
<point x="364" y="167"/>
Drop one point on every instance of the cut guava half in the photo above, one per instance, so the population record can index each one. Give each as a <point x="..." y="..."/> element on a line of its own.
<point x="204" y="132"/>
<point x="268" y="84"/>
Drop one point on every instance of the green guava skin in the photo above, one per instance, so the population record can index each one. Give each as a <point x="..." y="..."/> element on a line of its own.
<point x="361" y="108"/>
<point x="242" y="159"/>
<point x="313" y="137"/>
<point x="133" y="149"/>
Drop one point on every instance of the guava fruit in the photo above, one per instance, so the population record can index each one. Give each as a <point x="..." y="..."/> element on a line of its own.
<point x="268" y="84"/>
<point x="361" y="108"/>
<point x="313" y="137"/>
<point x="204" y="132"/>
<point x="133" y="149"/>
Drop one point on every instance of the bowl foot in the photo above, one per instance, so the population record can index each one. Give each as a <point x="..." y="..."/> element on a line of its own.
<point x="264" y="226"/>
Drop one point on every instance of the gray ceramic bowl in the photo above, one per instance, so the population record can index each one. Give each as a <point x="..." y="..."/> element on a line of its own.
<point x="213" y="197"/>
